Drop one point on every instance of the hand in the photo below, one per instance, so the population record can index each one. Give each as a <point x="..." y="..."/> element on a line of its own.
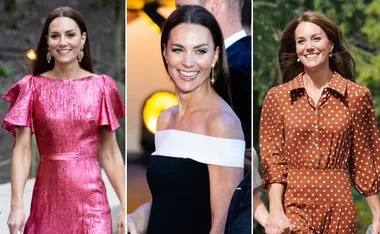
<point x="131" y="226"/>
<point x="16" y="220"/>
<point x="121" y="222"/>
<point x="278" y="223"/>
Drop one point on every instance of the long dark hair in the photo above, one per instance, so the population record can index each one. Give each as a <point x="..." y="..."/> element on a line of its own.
<point x="41" y="65"/>
<point x="341" y="60"/>
<point x="192" y="14"/>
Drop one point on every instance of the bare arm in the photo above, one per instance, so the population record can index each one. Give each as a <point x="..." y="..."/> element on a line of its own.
<point x="223" y="182"/>
<point x="277" y="220"/>
<point x="21" y="160"/>
<point x="374" y="204"/>
<point x="111" y="159"/>
<point x="260" y="212"/>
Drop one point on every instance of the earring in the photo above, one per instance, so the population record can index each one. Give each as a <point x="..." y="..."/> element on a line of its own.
<point x="298" y="60"/>
<point x="48" y="56"/>
<point x="212" y="75"/>
<point x="330" y="54"/>
<point x="81" y="54"/>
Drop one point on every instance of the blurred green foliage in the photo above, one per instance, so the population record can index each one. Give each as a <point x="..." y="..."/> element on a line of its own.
<point x="5" y="69"/>
<point x="360" y="23"/>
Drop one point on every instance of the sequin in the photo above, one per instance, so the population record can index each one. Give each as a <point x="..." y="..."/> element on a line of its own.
<point x="69" y="195"/>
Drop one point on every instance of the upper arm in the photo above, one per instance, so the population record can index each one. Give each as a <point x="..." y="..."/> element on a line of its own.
<point x="107" y="143"/>
<point x="23" y="139"/>
<point x="224" y="179"/>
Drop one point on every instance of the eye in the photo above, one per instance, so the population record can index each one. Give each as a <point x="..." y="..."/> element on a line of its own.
<point x="300" y="42"/>
<point x="201" y="51"/>
<point x="71" y="35"/>
<point x="316" y="39"/>
<point x="176" y="50"/>
<point x="54" y="36"/>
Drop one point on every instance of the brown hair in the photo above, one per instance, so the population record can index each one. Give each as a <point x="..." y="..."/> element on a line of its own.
<point x="193" y="14"/>
<point x="341" y="61"/>
<point x="41" y="65"/>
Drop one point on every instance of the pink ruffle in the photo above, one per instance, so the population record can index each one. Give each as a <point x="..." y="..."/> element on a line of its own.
<point x="20" y="113"/>
<point x="113" y="107"/>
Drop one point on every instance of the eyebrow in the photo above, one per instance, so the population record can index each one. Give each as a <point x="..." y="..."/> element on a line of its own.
<point x="68" y="31"/>
<point x="195" y="47"/>
<point x="312" y="35"/>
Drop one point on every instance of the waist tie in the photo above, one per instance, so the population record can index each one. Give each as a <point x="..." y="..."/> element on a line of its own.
<point x="317" y="186"/>
<point x="68" y="156"/>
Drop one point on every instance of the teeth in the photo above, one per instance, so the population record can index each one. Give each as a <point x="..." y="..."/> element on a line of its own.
<point x="311" y="55"/>
<point x="64" y="51"/>
<point x="188" y="74"/>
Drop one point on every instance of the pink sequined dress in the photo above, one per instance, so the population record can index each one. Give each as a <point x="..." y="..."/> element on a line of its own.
<point x="69" y="194"/>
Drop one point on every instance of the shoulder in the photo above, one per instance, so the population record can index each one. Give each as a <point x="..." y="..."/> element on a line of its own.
<point x="358" y="95"/>
<point x="224" y="124"/>
<point x="164" y="118"/>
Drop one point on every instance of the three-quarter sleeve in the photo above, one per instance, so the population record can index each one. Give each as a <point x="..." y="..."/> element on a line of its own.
<point x="20" y="113"/>
<point x="113" y="107"/>
<point x="272" y="141"/>
<point x="365" y="156"/>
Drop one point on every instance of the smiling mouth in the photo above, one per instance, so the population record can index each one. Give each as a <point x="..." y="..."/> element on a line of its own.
<point x="311" y="55"/>
<point x="188" y="75"/>
<point x="63" y="51"/>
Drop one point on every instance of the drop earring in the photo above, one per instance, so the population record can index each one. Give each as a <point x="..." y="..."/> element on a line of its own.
<point x="48" y="56"/>
<point x="212" y="75"/>
<point x="330" y="54"/>
<point x="81" y="54"/>
<point x="298" y="60"/>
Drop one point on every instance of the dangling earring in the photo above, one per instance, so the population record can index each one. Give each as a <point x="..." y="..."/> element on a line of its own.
<point x="48" y="56"/>
<point x="212" y="75"/>
<point x="298" y="60"/>
<point x="330" y="54"/>
<point x="81" y="54"/>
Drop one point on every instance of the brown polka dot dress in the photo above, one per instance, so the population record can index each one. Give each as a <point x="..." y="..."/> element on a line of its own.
<point x="314" y="149"/>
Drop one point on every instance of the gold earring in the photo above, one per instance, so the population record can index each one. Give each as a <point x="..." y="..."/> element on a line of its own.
<point x="81" y="54"/>
<point x="48" y="56"/>
<point x="212" y="75"/>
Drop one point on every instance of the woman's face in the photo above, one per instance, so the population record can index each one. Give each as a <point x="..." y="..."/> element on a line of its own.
<point x="65" y="40"/>
<point x="312" y="46"/>
<point x="189" y="55"/>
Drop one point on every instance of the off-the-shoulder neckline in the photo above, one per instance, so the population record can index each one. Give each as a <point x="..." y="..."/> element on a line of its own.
<point x="198" y="134"/>
<point x="81" y="78"/>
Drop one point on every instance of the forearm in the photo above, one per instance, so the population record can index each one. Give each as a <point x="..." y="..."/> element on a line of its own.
<point x="141" y="217"/>
<point x="21" y="161"/>
<point x="276" y="192"/>
<point x="260" y="212"/>
<point x="114" y="167"/>
<point x="374" y="204"/>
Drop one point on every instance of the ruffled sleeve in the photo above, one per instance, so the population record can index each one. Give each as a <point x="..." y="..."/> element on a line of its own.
<point x="113" y="107"/>
<point x="20" y="113"/>
<point x="365" y="157"/>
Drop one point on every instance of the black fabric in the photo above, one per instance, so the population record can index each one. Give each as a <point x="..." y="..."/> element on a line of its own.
<point x="239" y="214"/>
<point x="240" y="69"/>
<point x="180" y="196"/>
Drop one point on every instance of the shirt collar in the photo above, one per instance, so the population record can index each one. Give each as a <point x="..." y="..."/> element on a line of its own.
<point x="337" y="83"/>
<point x="234" y="38"/>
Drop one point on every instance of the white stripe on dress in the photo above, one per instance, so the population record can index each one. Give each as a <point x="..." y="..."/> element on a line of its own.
<point x="201" y="148"/>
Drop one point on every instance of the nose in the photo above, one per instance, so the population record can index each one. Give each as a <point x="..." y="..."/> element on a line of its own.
<point x="188" y="60"/>
<point x="63" y="41"/>
<point x="310" y="46"/>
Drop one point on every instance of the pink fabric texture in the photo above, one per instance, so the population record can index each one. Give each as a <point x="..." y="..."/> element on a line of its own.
<point x="69" y="194"/>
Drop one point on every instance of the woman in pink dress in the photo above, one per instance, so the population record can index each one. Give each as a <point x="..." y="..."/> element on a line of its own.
<point x="73" y="113"/>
